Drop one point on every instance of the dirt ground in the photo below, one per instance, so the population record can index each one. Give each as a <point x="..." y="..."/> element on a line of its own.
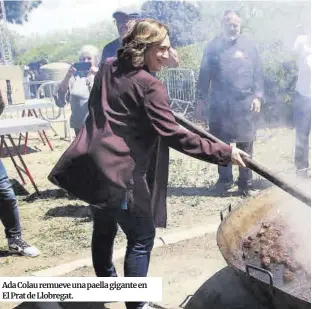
<point x="61" y="227"/>
<point x="194" y="276"/>
<point x="188" y="264"/>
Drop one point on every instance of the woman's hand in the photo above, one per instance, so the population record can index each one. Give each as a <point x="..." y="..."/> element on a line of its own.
<point x="65" y="82"/>
<point x="71" y="72"/>
<point x="91" y="76"/>
<point x="93" y="70"/>
<point x="237" y="156"/>
<point x="173" y="60"/>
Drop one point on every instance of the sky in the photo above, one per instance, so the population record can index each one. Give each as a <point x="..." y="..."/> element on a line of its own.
<point x="54" y="15"/>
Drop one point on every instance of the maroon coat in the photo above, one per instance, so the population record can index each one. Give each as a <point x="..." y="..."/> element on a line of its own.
<point x="129" y="119"/>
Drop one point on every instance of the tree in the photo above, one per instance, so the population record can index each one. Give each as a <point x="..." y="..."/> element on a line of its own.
<point x="180" y="16"/>
<point x="17" y="11"/>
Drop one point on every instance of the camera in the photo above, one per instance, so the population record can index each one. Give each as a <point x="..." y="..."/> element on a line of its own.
<point x="82" y="68"/>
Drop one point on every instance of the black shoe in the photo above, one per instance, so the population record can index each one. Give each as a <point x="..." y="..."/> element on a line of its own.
<point x="222" y="185"/>
<point x="304" y="173"/>
<point x="248" y="192"/>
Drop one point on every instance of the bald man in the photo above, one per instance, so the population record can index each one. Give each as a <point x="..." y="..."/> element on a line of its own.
<point x="231" y="67"/>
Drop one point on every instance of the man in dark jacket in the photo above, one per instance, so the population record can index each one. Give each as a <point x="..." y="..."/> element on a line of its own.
<point x="231" y="66"/>
<point x="122" y="18"/>
<point x="9" y="215"/>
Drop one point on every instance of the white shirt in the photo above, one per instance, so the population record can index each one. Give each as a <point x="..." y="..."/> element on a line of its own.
<point x="302" y="48"/>
<point x="79" y="88"/>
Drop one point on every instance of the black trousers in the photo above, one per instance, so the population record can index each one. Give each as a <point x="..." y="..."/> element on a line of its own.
<point x="302" y="121"/>
<point x="229" y="126"/>
<point x="245" y="174"/>
<point x="140" y="232"/>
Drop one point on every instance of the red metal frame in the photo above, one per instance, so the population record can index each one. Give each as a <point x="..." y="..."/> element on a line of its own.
<point x="19" y="169"/>
<point x="30" y="113"/>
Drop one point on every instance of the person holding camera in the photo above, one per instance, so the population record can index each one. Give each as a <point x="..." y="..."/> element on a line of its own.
<point x="78" y="83"/>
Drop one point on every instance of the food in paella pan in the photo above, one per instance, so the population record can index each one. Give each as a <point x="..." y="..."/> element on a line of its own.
<point x="268" y="245"/>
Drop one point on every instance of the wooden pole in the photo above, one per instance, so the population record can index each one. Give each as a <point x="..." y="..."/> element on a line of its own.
<point x="256" y="167"/>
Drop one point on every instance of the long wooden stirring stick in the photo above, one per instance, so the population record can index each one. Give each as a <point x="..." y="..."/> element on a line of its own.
<point x="256" y="167"/>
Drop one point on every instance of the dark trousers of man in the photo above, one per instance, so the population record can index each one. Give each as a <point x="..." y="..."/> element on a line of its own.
<point x="9" y="215"/>
<point x="302" y="121"/>
<point x="245" y="174"/>
<point x="242" y="129"/>
<point x="140" y="232"/>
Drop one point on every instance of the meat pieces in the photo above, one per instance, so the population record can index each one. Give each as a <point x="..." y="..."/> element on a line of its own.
<point x="275" y="258"/>
<point x="291" y="264"/>
<point x="288" y="275"/>
<point x="266" y="225"/>
<point x="261" y="232"/>
<point x="265" y="261"/>
<point x="268" y="246"/>
<point x="247" y="243"/>
<point x="264" y="251"/>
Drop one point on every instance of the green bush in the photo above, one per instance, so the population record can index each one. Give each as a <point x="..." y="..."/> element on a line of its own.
<point x="279" y="67"/>
<point x="280" y="73"/>
<point x="55" y="53"/>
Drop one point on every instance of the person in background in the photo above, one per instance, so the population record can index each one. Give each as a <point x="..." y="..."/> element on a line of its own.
<point x="231" y="67"/>
<point x="302" y="101"/>
<point x="123" y="19"/>
<point x="79" y="85"/>
<point x="9" y="214"/>
<point x="34" y="76"/>
<point x="129" y="110"/>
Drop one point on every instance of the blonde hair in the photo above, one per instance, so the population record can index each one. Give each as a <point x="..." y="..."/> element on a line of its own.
<point x="140" y="35"/>
<point x="92" y="50"/>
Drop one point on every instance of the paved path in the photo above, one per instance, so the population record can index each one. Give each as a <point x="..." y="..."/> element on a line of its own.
<point x="194" y="273"/>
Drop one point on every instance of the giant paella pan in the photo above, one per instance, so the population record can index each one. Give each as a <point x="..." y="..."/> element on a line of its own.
<point x="266" y="240"/>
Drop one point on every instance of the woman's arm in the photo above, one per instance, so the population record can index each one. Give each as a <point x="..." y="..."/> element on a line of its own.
<point x="65" y="82"/>
<point x="60" y="97"/>
<point x="163" y="121"/>
<point x="91" y="76"/>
